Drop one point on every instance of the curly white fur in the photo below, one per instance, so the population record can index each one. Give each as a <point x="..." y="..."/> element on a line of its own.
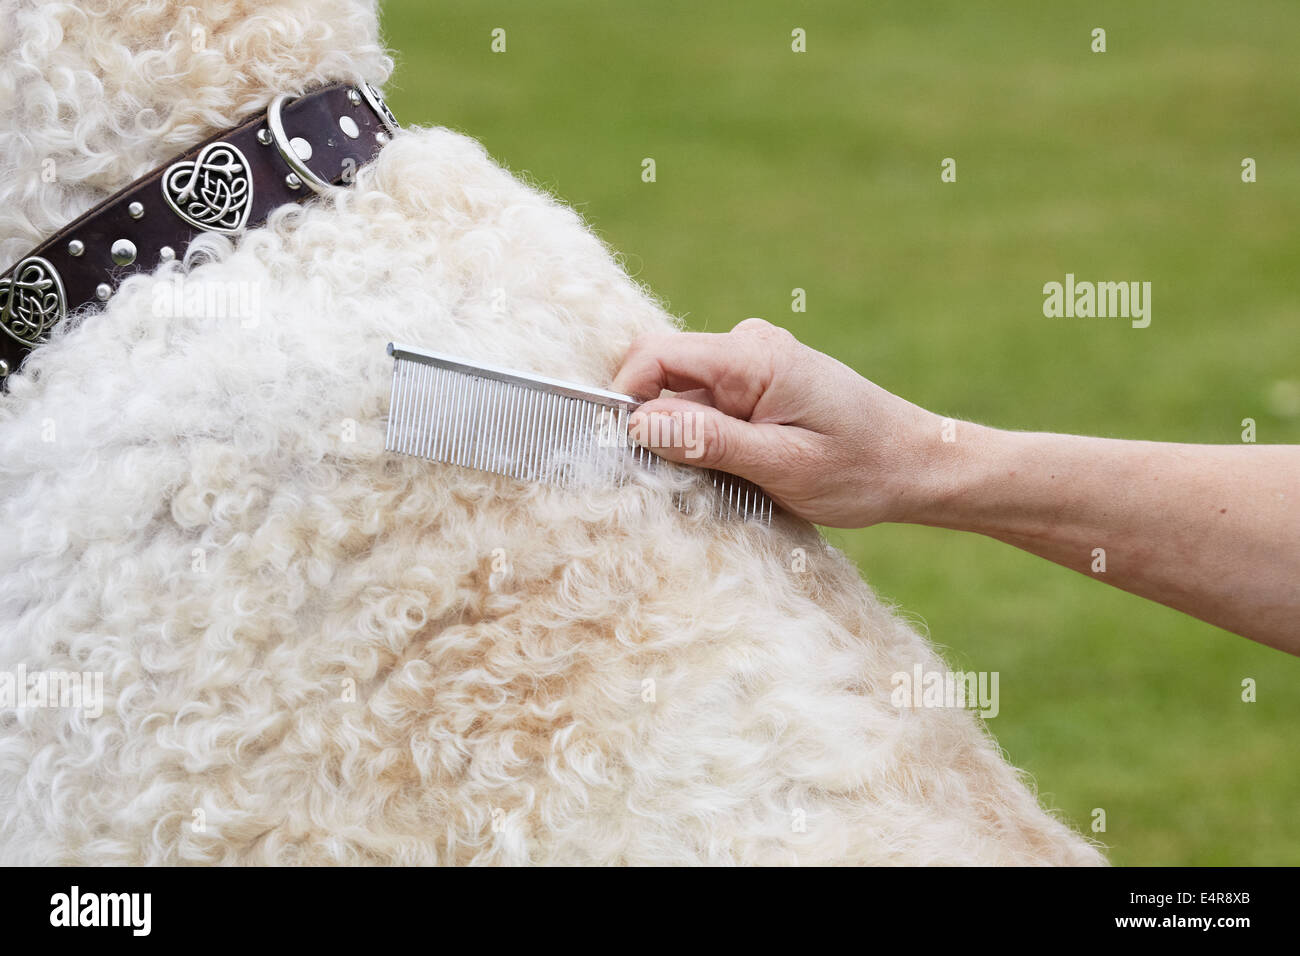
<point x="313" y="651"/>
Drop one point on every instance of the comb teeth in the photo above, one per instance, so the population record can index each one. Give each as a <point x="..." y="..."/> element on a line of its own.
<point x="528" y="426"/>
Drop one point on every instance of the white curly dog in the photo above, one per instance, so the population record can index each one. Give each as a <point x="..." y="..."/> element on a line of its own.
<point x="312" y="651"/>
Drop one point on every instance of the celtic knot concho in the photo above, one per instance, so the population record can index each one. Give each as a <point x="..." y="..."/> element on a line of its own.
<point x="213" y="191"/>
<point x="32" y="302"/>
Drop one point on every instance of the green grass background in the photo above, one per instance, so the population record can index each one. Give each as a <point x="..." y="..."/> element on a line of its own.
<point x="820" y="171"/>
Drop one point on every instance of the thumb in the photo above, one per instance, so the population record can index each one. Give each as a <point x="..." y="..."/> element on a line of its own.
<point x="691" y="433"/>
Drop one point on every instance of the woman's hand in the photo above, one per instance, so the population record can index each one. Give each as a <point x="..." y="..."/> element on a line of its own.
<point x="824" y="442"/>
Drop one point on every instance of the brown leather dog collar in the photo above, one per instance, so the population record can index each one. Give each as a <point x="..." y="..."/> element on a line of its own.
<point x="230" y="182"/>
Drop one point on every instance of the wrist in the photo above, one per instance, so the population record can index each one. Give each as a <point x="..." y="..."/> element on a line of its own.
<point x="960" y="469"/>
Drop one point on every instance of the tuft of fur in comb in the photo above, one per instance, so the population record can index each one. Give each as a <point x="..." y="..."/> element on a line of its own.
<point x="529" y="427"/>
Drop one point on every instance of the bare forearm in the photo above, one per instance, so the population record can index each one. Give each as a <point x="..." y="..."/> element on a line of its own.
<point x="1211" y="530"/>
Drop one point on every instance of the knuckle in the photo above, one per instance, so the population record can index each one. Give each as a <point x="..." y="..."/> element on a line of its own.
<point x="763" y="329"/>
<point x="753" y="325"/>
<point x="768" y="338"/>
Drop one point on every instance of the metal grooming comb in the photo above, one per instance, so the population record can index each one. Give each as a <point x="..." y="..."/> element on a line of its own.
<point x="528" y="426"/>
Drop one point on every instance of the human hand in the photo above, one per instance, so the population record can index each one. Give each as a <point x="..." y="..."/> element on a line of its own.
<point x="824" y="442"/>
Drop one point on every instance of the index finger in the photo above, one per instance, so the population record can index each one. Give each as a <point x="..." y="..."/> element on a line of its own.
<point x="724" y="364"/>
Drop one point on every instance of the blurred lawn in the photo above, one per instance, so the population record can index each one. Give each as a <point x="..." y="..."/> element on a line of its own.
<point x="821" y="171"/>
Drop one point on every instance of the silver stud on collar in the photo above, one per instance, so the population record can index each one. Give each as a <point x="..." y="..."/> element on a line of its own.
<point x="292" y="181"/>
<point x="381" y="138"/>
<point x="76" y="247"/>
<point x="103" y="291"/>
<point x="136" y="210"/>
<point x="123" y="252"/>
<point x="354" y="96"/>
<point x="4" y="368"/>
<point x="166" y="254"/>
<point x="264" y="136"/>
<point x="349" y="127"/>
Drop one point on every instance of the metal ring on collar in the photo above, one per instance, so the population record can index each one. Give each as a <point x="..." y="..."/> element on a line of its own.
<point x="281" y="140"/>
